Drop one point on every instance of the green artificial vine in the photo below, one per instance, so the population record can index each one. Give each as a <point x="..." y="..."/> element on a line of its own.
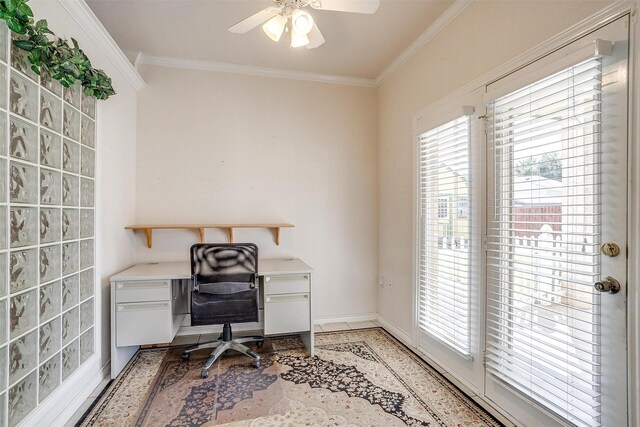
<point x="65" y="63"/>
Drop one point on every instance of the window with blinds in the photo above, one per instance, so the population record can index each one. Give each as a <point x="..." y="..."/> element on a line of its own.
<point x="445" y="225"/>
<point x="543" y="336"/>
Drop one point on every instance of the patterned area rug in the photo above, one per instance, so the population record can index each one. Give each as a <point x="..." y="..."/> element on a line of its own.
<point x="358" y="378"/>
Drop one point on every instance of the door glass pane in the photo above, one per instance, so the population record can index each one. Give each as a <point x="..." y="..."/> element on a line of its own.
<point x="543" y="320"/>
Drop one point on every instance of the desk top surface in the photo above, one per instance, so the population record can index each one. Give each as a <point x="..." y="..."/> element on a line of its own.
<point x="182" y="270"/>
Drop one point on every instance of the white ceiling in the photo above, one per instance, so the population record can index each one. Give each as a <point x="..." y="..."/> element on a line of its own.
<point x="357" y="45"/>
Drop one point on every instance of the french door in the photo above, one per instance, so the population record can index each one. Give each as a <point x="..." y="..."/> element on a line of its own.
<point x="556" y="236"/>
<point x="521" y="242"/>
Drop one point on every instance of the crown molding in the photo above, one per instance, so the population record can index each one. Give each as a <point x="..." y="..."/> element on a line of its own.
<point x="438" y="25"/>
<point x="604" y="16"/>
<point x="223" y="67"/>
<point x="132" y="55"/>
<point x="87" y="20"/>
<point x="433" y="30"/>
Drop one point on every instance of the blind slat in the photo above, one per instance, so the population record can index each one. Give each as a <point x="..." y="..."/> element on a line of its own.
<point x="554" y="377"/>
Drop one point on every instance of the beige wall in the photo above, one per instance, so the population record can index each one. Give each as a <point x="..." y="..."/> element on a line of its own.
<point x="486" y="35"/>
<point x="217" y="148"/>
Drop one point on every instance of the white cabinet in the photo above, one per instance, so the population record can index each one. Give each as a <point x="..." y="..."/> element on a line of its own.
<point x="147" y="311"/>
<point x="286" y="284"/>
<point x="140" y="323"/>
<point x="140" y="291"/>
<point x="286" y="313"/>
<point x="287" y="303"/>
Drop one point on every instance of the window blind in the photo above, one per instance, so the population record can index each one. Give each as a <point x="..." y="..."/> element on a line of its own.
<point x="444" y="252"/>
<point x="543" y="230"/>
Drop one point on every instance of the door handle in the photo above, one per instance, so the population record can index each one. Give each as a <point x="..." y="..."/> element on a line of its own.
<point x="286" y="278"/>
<point x="142" y="285"/>
<point x="286" y="298"/>
<point x="608" y="285"/>
<point x="141" y="306"/>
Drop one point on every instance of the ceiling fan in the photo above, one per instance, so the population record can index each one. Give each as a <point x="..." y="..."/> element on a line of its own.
<point x="291" y="16"/>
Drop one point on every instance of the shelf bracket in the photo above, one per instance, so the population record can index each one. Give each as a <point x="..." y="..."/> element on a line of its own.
<point x="201" y="234"/>
<point x="230" y="234"/>
<point x="276" y="235"/>
<point x="149" y="233"/>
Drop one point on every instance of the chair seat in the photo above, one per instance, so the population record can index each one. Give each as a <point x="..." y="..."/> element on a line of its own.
<point x="218" y="309"/>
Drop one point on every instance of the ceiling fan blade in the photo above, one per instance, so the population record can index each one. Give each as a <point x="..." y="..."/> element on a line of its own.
<point x="355" y="6"/>
<point x="254" y="20"/>
<point x="315" y="37"/>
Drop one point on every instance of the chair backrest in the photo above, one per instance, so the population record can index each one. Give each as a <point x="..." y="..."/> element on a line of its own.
<point x="220" y="262"/>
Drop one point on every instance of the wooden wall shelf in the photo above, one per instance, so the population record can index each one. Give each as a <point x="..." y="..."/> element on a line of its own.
<point x="199" y="228"/>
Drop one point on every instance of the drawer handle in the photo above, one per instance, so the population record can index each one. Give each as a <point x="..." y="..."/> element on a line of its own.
<point x="143" y="306"/>
<point x="287" y="278"/>
<point x="142" y="285"/>
<point x="287" y="298"/>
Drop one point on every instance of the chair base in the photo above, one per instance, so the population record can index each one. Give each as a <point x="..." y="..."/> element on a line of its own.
<point x="221" y="345"/>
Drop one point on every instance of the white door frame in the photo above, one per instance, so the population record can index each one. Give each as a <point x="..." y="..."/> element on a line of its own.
<point x="633" y="274"/>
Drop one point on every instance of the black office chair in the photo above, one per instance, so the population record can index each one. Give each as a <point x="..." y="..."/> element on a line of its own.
<point x="225" y="291"/>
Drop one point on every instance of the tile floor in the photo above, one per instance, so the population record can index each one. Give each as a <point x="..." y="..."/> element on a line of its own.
<point x="345" y="326"/>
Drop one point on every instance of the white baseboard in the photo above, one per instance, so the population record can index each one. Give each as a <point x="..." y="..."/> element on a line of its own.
<point x="368" y="317"/>
<point x="106" y="369"/>
<point x="216" y="329"/>
<point x="60" y="406"/>
<point x="240" y="327"/>
<point x="401" y="335"/>
<point x="83" y="395"/>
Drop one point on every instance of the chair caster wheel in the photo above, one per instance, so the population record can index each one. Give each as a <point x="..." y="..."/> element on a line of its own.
<point x="186" y="356"/>
<point x="204" y="373"/>
<point x="255" y="363"/>
<point x="259" y="344"/>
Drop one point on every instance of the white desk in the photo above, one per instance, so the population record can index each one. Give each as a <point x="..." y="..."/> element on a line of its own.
<point x="150" y="304"/>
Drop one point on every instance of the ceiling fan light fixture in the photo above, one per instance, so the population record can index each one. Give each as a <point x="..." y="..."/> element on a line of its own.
<point x="274" y="27"/>
<point x="302" y="28"/>
<point x="301" y="21"/>
<point x="298" y="39"/>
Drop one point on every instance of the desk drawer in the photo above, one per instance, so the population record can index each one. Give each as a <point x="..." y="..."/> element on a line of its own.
<point x="140" y="291"/>
<point x="140" y="323"/>
<point x="286" y="284"/>
<point x="286" y="313"/>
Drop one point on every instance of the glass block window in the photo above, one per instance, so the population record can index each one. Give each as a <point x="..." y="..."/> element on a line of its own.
<point x="47" y="237"/>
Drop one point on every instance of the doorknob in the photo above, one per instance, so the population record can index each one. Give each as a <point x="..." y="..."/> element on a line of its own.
<point x="608" y="285"/>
